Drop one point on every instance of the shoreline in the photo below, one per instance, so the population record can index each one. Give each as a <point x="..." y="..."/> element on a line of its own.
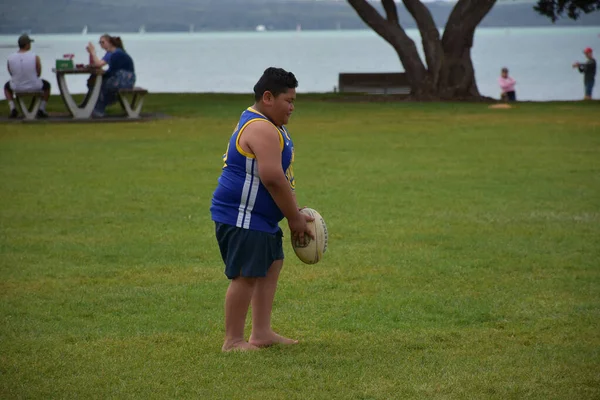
<point x="333" y="97"/>
<point x="292" y="32"/>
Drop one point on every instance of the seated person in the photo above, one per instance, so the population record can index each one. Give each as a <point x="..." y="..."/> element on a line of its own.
<point x="507" y="85"/>
<point x="97" y="62"/>
<point x="120" y="75"/>
<point x="25" y="69"/>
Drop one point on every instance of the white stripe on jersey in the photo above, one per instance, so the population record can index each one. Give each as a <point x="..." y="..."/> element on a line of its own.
<point x="244" y="199"/>
<point x="251" y="184"/>
<point x="253" y="192"/>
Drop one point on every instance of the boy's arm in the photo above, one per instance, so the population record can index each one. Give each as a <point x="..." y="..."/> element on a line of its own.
<point x="263" y="141"/>
<point x="296" y="200"/>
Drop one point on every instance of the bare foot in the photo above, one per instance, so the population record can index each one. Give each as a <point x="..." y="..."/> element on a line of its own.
<point x="270" y="339"/>
<point x="238" y="345"/>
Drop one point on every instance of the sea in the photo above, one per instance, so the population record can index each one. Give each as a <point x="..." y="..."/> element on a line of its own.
<point x="539" y="59"/>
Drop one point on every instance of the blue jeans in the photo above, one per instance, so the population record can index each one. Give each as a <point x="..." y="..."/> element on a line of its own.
<point x="108" y="92"/>
<point x="588" y="88"/>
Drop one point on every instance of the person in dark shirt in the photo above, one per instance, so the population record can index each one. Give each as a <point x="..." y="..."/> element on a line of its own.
<point x="588" y="69"/>
<point x="95" y="60"/>
<point x="120" y="75"/>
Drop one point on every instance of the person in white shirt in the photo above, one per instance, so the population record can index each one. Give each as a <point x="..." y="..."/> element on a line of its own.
<point x="25" y="69"/>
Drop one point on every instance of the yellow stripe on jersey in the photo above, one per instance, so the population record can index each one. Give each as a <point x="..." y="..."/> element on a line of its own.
<point x="239" y="134"/>
<point x="281" y="139"/>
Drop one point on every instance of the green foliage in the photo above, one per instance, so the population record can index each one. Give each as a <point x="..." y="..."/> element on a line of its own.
<point x="462" y="263"/>
<point x="554" y="9"/>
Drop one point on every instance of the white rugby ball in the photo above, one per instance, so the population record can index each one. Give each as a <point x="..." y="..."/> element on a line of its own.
<point x="312" y="250"/>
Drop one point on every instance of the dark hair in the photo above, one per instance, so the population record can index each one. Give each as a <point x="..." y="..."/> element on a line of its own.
<point x="114" y="41"/>
<point x="276" y="81"/>
<point x="505" y="69"/>
<point x="117" y="42"/>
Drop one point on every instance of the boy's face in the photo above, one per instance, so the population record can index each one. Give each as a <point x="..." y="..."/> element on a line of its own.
<point x="504" y="74"/>
<point x="281" y="106"/>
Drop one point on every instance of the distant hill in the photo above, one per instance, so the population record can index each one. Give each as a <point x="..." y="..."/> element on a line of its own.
<point x="70" y="16"/>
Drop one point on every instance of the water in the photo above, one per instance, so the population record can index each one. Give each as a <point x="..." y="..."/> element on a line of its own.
<point x="539" y="59"/>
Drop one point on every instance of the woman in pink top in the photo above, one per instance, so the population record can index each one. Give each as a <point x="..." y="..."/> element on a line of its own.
<point x="507" y="85"/>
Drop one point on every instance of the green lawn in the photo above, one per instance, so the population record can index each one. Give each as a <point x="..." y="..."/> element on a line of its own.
<point x="463" y="261"/>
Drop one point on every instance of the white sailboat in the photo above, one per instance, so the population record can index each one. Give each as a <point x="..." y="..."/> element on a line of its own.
<point x="260" y="28"/>
<point x="142" y="29"/>
<point x="85" y="30"/>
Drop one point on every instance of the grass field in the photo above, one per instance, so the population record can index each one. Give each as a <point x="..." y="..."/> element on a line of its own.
<point x="463" y="262"/>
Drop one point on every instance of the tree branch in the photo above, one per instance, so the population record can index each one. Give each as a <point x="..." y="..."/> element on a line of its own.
<point x="430" y="36"/>
<point x="391" y="13"/>
<point x="371" y="17"/>
<point x="463" y="20"/>
<point x="394" y="34"/>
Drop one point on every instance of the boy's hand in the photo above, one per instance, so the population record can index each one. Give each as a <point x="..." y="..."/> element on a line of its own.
<point x="299" y="227"/>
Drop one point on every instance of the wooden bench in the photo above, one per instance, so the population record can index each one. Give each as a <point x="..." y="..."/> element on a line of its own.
<point x="29" y="111"/>
<point x="133" y="108"/>
<point x="374" y="83"/>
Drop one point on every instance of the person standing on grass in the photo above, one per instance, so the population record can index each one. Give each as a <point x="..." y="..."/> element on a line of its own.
<point x="507" y="86"/>
<point x="25" y="69"/>
<point x="255" y="191"/>
<point x="588" y="69"/>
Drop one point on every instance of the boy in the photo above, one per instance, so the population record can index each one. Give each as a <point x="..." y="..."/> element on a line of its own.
<point x="255" y="191"/>
<point x="588" y="69"/>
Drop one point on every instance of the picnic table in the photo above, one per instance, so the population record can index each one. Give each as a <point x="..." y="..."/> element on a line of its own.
<point x="85" y="108"/>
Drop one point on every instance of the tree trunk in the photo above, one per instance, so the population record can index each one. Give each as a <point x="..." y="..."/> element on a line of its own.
<point x="449" y="73"/>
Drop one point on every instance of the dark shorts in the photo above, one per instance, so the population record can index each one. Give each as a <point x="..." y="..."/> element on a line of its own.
<point x="589" y="86"/>
<point x="248" y="253"/>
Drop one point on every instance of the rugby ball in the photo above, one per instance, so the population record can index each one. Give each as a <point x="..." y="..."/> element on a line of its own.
<point x="311" y="251"/>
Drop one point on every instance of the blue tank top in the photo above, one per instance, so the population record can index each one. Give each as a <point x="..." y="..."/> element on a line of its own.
<point x="240" y="198"/>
